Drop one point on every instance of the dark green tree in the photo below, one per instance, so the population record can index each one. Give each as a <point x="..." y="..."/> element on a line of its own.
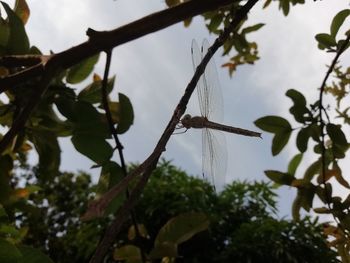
<point x="243" y="225"/>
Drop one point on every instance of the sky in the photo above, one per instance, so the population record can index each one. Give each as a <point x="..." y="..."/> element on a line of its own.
<point x="154" y="70"/>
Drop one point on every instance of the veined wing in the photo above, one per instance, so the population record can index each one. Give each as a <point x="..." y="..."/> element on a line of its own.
<point x="201" y="88"/>
<point x="214" y="100"/>
<point x="214" y="152"/>
<point x="214" y="157"/>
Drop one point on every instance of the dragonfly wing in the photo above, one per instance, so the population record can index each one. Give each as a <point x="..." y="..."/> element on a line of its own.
<point x="201" y="89"/>
<point x="214" y="99"/>
<point x="214" y="157"/>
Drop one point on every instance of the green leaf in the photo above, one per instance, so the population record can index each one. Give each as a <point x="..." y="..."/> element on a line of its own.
<point x="252" y="28"/>
<point x="93" y="147"/>
<point x="345" y="222"/>
<point x="339" y="175"/>
<point x="181" y="228"/>
<point x="279" y="141"/>
<point x="321" y="193"/>
<point x="9" y="253"/>
<point x="22" y="10"/>
<point x="336" y="134"/>
<point x="9" y="230"/>
<point x="86" y="112"/>
<point x="215" y="22"/>
<point x="302" y="139"/>
<point x="18" y="42"/>
<point x="6" y="164"/>
<point x="85" y="118"/>
<point x="274" y="124"/>
<point x="326" y="40"/>
<point x="46" y="144"/>
<point x="111" y="174"/>
<point x="33" y="255"/>
<point x="171" y="3"/>
<point x="67" y="108"/>
<point x="346" y="203"/>
<point x="307" y="196"/>
<point x="126" y="114"/>
<point x="312" y="170"/>
<point x="284" y="4"/>
<point x="129" y="253"/>
<point x="3" y="214"/>
<point x="95" y="128"/>
<point x="92" y="93"/>
<point x="82" y="70"/>
<point x="164" y="250"/>
<point x="141" y="229"/>
<point x="267" y="3"/>
<point x="315" y="132"/>
<point x="49" y="121"/>
<point x="294" y="163"/>
<point x="338" y="20"/>
<point x="341" y="43"/>
<point x="279" y="177"/>
<point x="299" y="109"/>
<point x="4" y="34"/>
<point x="339" y="151"/>
<point x="296" y="206"/>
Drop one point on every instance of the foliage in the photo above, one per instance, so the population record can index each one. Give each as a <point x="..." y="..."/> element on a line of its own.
<point x="178" y="215"/>
<point x="329" y="143"/>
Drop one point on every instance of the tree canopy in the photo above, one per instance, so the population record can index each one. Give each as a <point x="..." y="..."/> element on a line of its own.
<point x="184" y="211"/>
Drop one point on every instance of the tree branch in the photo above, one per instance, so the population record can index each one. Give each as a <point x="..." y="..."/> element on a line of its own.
<point x="150" y="163"/>
<point x="99" y="41"/>
<point x="105" y="40"/>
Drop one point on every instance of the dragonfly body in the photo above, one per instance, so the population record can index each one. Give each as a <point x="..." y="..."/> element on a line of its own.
<point x="214" y="150"/>
<point x="200" y="122"/>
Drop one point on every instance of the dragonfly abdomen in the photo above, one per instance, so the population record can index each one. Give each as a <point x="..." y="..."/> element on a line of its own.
<point x="230" y="129"/>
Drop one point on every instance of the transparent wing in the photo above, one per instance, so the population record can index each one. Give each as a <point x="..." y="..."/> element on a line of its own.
<point x="212" y="90"/>
<point x="201" y="88"/>
<point x="214" y="151"/>
<point x="214" y="158"/>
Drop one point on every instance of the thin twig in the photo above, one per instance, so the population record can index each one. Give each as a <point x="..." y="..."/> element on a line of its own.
<point x="150" y="163"/>
<point x="119" y="146"/>
<point x="321" y="110"/>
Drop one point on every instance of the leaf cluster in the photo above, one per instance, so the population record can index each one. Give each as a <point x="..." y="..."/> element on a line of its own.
<point x="324" y="138"/>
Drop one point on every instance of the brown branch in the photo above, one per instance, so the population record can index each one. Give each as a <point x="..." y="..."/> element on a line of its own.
<point x="122" y="214"/>
<point x="321" y="109"/>
<point x="99" y="41"/>
<point x="7" y="82"/>
<point x="34" y="66"/>
<point x="22" y="60"/>
<point x="150" y="163"/>
<point x="106" y="40"/>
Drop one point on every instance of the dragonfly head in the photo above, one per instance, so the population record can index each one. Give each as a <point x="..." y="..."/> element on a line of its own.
<point x="185" y="121"/>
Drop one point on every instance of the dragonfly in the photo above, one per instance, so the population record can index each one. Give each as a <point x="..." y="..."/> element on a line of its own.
<point x="214" y="150"/>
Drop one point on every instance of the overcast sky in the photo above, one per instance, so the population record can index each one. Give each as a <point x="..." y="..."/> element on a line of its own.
<point x="153" y="72"/>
